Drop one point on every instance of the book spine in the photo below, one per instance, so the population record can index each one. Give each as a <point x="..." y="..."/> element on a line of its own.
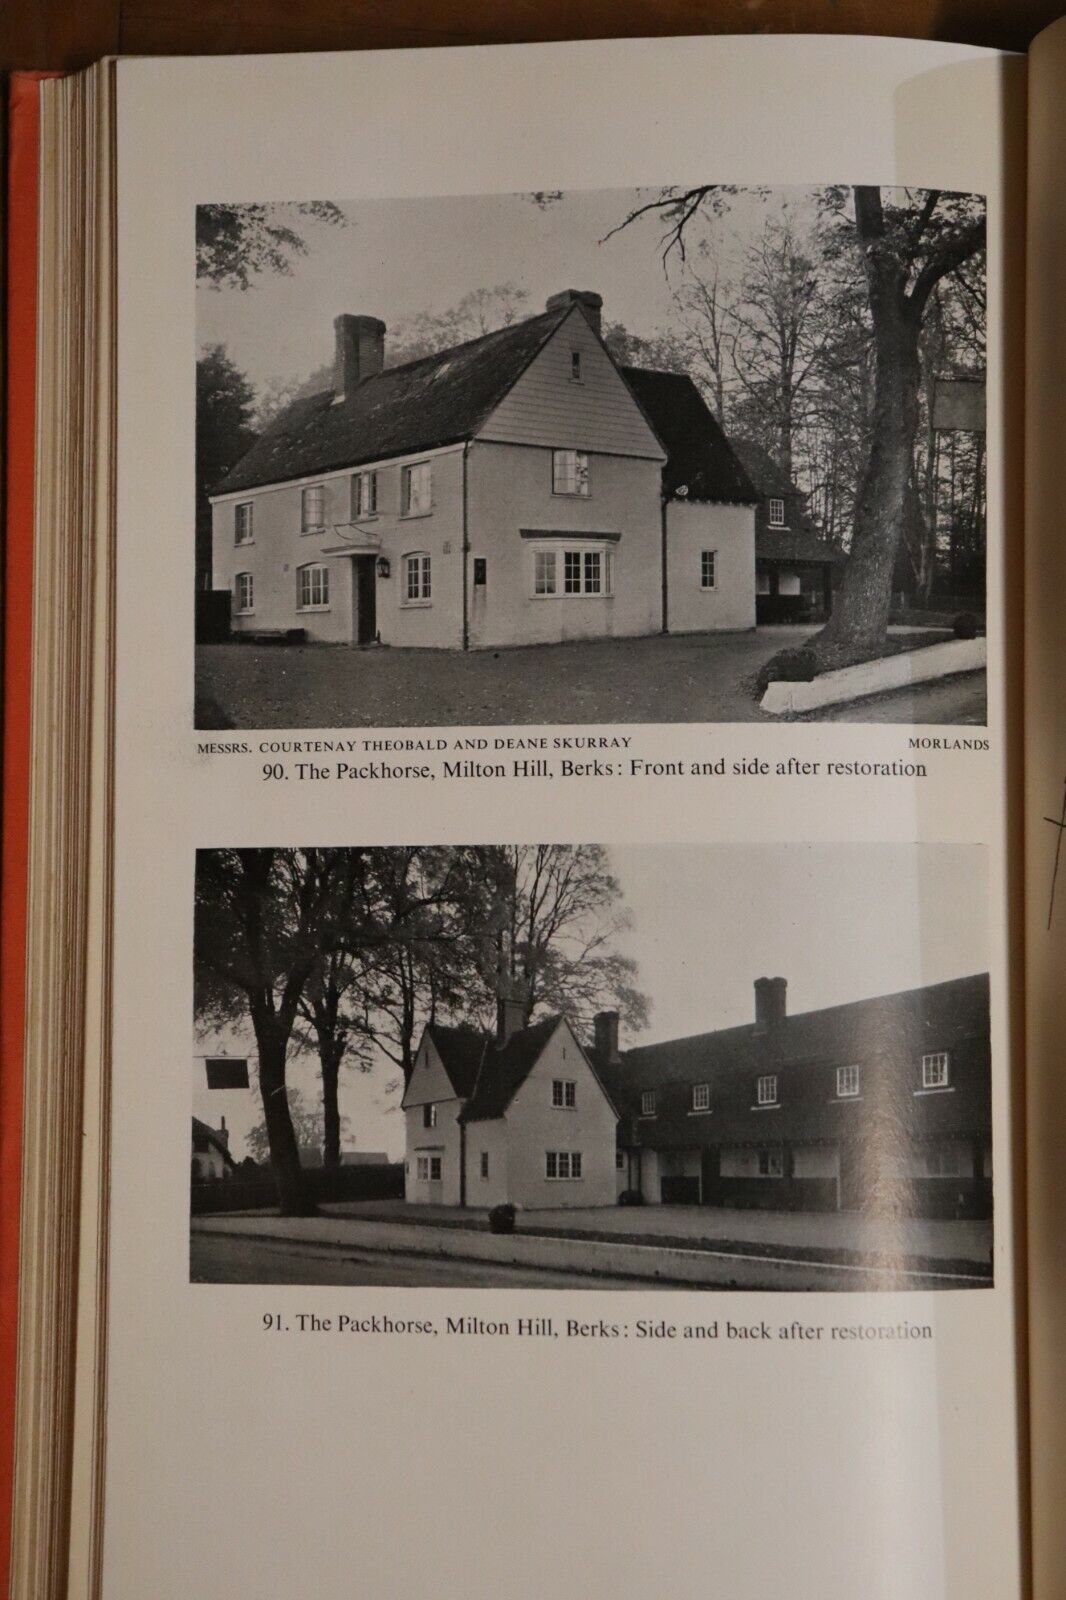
<point x="21" y="316"/>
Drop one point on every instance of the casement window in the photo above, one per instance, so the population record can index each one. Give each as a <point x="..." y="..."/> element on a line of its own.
<point x="562" y="1163"/>
<point x="586" y="572"/>
<point x="936" y="1070"/>
<point x="771" y="1164"/>
<point x="416" y="489"/>
<point x="847" y="1083"/>
<point x="484" y="1163"/>
<point x="620" y="1160"/>
<point x="708" y="569"/>
<point x="766" y="1089"/>
<point x="244" y="592"/>
<point x="775" y="511"/>
<point x="648" y="1101"/>
<point x="428" y="1169"/>
<point x="544" y="572"/>
<point x="364" y="495"/>
<point x="580" y="571"/>
<point x="564" y="1093"/>
<point x="429" y="1116"/>
<point x="417" y="579"/>
<point x="575" y="365"/>
<point x="570" y="472"/>
<point x="701" y="1097"/>
<point x="313" y="508"/>
<point x="312" y="588"/>
<point x="242" y="522"/>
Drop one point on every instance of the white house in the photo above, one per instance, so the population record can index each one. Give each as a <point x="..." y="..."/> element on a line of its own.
<point x="520" y="1117"/>
<point x="507" y="491"/>
<point x="211" y="1159"/>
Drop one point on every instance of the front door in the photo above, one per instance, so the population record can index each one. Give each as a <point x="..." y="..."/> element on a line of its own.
<point x="365" y="577"/>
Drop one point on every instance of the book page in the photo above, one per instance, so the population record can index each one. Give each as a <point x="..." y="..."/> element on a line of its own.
<point x="1045" y="733"/>
<point x="562" y="1088"/>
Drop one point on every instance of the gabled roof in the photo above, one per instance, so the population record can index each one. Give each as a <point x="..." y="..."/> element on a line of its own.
<point x="438" y="400"/>
<point x="699" y="461"/>
<point x="460" y="1050"/>
<point x="504" y="1070"/>
<point x="762" y="470"/>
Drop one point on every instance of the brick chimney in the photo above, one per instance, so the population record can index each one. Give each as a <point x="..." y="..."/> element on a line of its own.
<point x="590" y="302"/>
<point x="510" y="1016"/>
<point x="605" y="1035"/>
<point x="359" y="352"/>
<point x="770" y="1003"/>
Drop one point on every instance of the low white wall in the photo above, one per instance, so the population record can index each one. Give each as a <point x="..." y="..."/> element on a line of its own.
<point x="876" y="677"/>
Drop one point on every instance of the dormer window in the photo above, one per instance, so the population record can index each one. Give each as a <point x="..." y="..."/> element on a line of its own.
<point x="936" y="1070"/>
<point x="776" y="513"/>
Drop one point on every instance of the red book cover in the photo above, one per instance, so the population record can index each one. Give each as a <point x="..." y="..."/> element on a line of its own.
<point x="23" y="172"/>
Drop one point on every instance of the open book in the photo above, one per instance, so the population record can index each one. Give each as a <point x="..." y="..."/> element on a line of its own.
<point x="533" y="939"/>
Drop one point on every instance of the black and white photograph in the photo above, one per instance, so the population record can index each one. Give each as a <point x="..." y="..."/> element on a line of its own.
<point x="711" y="454"/>
<point x="579" y="1066"/>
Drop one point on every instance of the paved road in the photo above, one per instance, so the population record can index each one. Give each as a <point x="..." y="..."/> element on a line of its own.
<point x="218" y="1259"/>
<point x="960" y="700"/>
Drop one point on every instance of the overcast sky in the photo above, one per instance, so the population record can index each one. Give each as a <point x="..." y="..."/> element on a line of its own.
<point x="839" y="922"/>
<point x="398" y="258"/>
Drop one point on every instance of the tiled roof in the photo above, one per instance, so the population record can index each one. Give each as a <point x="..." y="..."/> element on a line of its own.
<point x="505" y="1069"/>
<point x="461" y="1050"/>
<point x="700" y="461"/>
<point x="761" y="468"/>
<point x="438" y="400"/>
<point x="784" y="544"/>
<point x="891" y="1032"/>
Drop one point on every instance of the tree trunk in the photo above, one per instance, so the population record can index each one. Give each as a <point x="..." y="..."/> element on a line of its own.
<point x="294" y="1198"/>
<point x="857" y="628"/>
<point x="330" y="1054"/>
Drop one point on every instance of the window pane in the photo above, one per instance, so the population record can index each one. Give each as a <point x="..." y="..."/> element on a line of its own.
<point x="572" y="571"/>
<point x="593" y="571"/>
<point x="707" y="566"/>
<point x="544" y="572"/>
<point x="575" y="1163"/>
<point x="313" y="506"/>
<point x="549" y="1163"/>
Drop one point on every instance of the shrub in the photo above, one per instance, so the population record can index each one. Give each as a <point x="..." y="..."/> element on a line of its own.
<point x="501" y="1219"/>
<point x="965" y="625"/>
<point x="788" y="666"/>
<point x="631" y="1197"/>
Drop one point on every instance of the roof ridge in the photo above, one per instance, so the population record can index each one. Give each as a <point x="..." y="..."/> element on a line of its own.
<point x="814" y="1011"/>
